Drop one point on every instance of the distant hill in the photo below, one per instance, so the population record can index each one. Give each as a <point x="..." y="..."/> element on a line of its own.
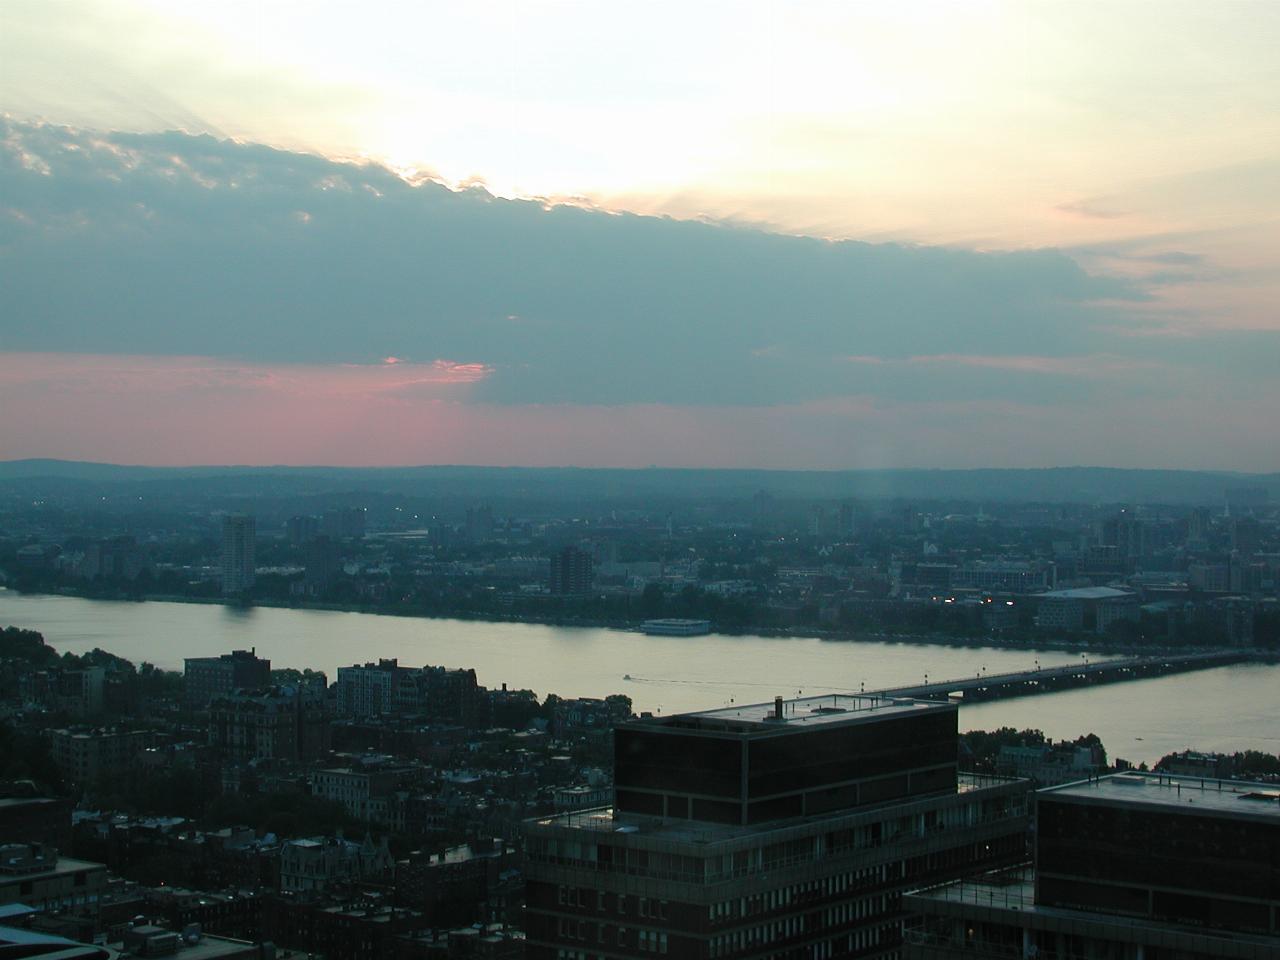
<point x="1057" y="484"/>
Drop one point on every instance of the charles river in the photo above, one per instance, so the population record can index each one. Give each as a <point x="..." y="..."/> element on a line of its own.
<point x="1227" y="708"/>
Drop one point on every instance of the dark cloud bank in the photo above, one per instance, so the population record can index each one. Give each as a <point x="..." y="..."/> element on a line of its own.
<point x="174" y="244"/>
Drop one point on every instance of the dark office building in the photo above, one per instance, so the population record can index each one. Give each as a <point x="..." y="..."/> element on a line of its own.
<point x="36" y="820"/>
<point x="1128" y="867"/>
<point x="323" y="564"/>
<point x="207" y="677"/>
<point x="570" y="572"/>
<point x="301" y="529"/>
<point x="780" y="830"/>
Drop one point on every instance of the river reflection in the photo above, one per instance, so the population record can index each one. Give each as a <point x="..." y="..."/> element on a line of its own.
<point x="1226" y="708"/>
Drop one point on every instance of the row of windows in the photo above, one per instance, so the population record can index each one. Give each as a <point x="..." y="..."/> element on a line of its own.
<point x="857" y="940"/>
<point x="800" y="892"/>
<point x="648" y="941"/>
<point x="618" y="859"/>
<point x="646" y="907"/>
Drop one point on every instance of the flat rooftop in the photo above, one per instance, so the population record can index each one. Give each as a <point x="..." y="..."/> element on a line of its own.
<point x="1090" y="593"/>
<point x="1014" y="890"/>
<point x="797" y="713"/>
<point x="1177" y="794"/>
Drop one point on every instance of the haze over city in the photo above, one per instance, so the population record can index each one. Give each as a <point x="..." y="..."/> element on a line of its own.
<point x="732" y="235"/>
<point x="564" y="480"/>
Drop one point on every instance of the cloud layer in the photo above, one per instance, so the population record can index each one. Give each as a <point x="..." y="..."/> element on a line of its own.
<point x="289" y="283"/>
<point x="188" y="245"/>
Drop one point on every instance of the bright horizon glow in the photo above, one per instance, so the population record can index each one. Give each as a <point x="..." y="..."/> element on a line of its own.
<point x="986" y="124"/>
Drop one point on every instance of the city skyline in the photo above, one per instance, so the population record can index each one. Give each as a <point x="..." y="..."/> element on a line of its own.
<point x="845" y="239"/>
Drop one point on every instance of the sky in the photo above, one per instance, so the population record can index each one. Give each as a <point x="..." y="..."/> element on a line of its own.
<point x="828" y="236"/>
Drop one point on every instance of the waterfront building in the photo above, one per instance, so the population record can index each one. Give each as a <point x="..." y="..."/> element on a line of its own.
<point x="783" y="830"/>
<point x="386" y="688"/>
<point x="369" y="690"/>
<point x="204" y="678"/>
<point x="571" y="572"/>
<point x="1133" y="866"/>
<point x="1006" y="576"/>
<point x="1091" y="609"/>
<point x="116" y="558"/>
<point x="238" y="534"/>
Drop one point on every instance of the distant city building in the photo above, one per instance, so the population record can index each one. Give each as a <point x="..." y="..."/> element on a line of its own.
<point x="346" y="523"/>
<point x="1004" y="576"/>
<point x="119" y="558"/>
<point x="479" y="524"/>
<point x="238" y="534"/>
<point x="1209" y="577"/>
<point x="207" y="677"/>
<point x="1246" y="535"/>
<point x="301" y="529"/>
<point x="1086" y="609"/>
<point x="571" y="572"/>
<point x="323" y="564"/>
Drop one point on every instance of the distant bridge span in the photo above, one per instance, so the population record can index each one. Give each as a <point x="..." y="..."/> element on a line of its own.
<point x="1025" y="683"/>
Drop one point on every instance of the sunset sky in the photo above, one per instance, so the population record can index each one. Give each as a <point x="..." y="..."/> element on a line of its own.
<point x="699" y="234"/>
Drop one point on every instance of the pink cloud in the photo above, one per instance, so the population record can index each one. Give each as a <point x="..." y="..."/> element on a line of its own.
<point x="189" y="410"/>
<point x="1090" y="366"/>
<point x="129" y="373"/>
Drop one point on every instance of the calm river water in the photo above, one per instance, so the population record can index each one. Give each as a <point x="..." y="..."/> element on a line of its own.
<point x="1229" y="708"/>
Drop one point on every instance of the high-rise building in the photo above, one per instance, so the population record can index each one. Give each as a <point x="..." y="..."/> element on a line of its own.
<point x="1128" y="867"/>
<point x="323" y="564"/>
<point x="302" y="528"/>
<point x="783" y="830"/>
<point x="345" y="523"/>
<point x="571" y="572"/>
<point x="237" y="553"/>
<point x="479" y="524"/>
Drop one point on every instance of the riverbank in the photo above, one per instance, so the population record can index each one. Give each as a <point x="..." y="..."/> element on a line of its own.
<point x="1094" y="645"/>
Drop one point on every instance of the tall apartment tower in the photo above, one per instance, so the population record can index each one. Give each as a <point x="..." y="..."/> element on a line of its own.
<point x="783" y="830"/>
<point x="571" y="571"/>
<point x="237" y="553"/>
